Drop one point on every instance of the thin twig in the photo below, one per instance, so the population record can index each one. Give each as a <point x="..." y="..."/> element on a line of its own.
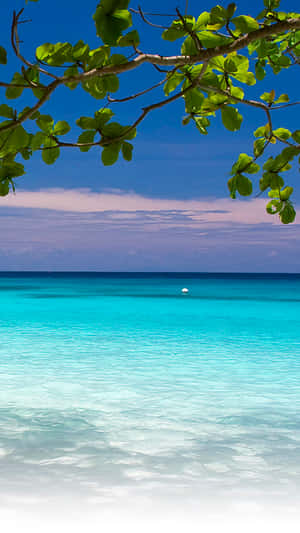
<point x="162" y="70"/>
<point x="49" y="90"/>
<point x="136" y="12"/>
<point x="284" y="141"/>
<point x="285" y="105"/>
<point x="252" y="103"/>
<point x="136" y="95"/>
<point x="15" y="44"/>
<point x="158" y="105"/>
<point x="13" y="85"/>
<point x="229" y="31"/>
<point x="148" y="21"/>
<point x="70" y="144"/>
<point x="191" y="33"/>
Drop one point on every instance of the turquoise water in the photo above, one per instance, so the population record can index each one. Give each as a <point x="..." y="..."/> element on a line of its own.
<point x="118" y="386"/>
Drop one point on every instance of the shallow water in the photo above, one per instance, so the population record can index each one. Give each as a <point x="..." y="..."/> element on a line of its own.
<point x="118" y="388"/>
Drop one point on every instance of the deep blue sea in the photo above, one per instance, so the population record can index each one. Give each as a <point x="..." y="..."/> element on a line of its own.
<point x="118" y="388"/>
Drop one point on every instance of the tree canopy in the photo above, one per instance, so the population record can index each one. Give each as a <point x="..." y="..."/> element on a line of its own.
<point x="218" y="56"/>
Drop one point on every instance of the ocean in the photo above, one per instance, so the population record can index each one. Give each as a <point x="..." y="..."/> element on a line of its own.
<point x="117" y="391"/>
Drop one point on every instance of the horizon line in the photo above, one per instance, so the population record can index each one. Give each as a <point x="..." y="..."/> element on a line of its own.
<point x="148" y="272"/>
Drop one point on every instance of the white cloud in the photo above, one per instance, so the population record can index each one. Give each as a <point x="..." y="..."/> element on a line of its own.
<point x="124" y="205"/>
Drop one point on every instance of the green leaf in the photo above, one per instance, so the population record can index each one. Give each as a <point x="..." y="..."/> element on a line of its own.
<point x="98" y="56"/>
<point x="117" y="59"/>
<point x="288" y="214"/>
<point x="96" y="87"/>
<point x="262" y="131"/>
<point x="231" y="118"/>
<point x="286" y="193"/>
<point x="26" y="153"/>
<point x="3" y="56"/>
<point x="243" y="185"/>
<point x="61" y="128"/>
<point x="131" y="38"/>
<point x="110" y="154"/>
<point x="263" y="183"/>
<point x="245" y="77"/>
<point x="258" y="147"/>
<point x="245" y="24"/>
<point x="4" y="187"/>
<point x="14" y="92"/>
<point x="86" y="136"/>
<point x="114" y="129"/>
<point x="18" y="138"/>
<point x="202" y="123"/>
<point x="259" y="71"/>
<point x="296" y="136"/>
<point x="80" y="51"/>
<point x="50" y="152"/>
<point x="244" y="161"/>
<point x="112" y="18"/>
<point x="218" y="17"/>
<point x="173" y="82"/>
<point x="275" y="182"/>
<point x="270" y="164"/>
<point x="282" y="99"/>
<point x="188" y="47"/>
<point x="127" y="151"/>
<point x="231" y="9"/>
<point x="86" y="123"/>
<point x="202" y="21"/>
<point x="37" y="140"/>
<point x="103" y="116"/>
<point x="230" y="66"/>
<point x="34" y="115"/>
<point x="43" y="51"/>
<point x="282" y="133"/>
<point x="273" y="207"/>
<point x="268" y="97"/>
<point x="242" y="73"/>
<point x="193" y="101"/>
<point x="232" y="187"/>
<point x="129" y="133"/>
<point x="271" y="4"/>
<point x="6" y="111"/>
<point x="211" y="40"/>
<point x="55" y="54"/>
<point x="69" y="72"/>
<point x="176" y="31"/>
<point x="45" y="122"/>
<point x="111" y="83"/>
<point x="11" y="169"/>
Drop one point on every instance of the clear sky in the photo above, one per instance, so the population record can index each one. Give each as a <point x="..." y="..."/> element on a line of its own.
<point x="166" y="210"/>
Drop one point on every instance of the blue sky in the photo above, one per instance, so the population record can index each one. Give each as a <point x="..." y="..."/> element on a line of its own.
<point x="166" y="210"/>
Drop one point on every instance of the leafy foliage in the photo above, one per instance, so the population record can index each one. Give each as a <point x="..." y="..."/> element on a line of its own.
<point x="221" y="54"/>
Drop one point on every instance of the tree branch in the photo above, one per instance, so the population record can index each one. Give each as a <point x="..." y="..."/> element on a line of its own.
<point x="136" y="95"/>
<point x="15" y="44"/>
<point x="179" y="60"/>
<point x="106" y="141"/>
<point x="15" y="85"/>
<point x="48" y="91"/>
<point x="252" y="103"/>
<point x="158" y="105"/>
<point x="191" y="33"/>
<point x="148" y="21"/>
